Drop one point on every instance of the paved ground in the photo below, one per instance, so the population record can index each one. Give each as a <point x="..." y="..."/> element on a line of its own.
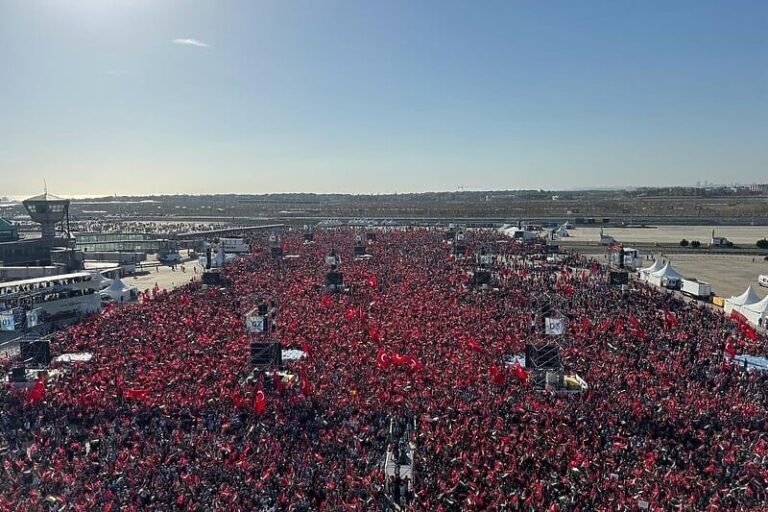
<point x="164" y="276"/>
<point x="743" y="235"/>
<point x="728" y="274"/>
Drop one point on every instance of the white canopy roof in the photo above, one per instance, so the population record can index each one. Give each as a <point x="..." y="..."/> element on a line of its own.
<point x="653" y="268"/>
<point x="758" y="307"/>
<point x="103" y="281"/>
<point x="748" y="297"/>
<point x="668" y="271"/>
<point x="119" y="286"/>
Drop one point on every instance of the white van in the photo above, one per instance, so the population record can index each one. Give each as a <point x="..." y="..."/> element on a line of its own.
<point x="762" y="281"/>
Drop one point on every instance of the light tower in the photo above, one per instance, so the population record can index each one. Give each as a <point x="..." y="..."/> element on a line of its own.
<point x="48" y="210"/>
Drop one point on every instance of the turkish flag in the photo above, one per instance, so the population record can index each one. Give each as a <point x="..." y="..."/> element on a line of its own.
<point x="306" y="387"/>
<point x="730" y="349"/>
<point x="373" y="282"/>
<point x="326" y="301"/>
<point x="414" y="364"/>
<point x="474" y="345"/>
<point x="496" y="376"/>
<point x="383" y="359"/>
<point x="520" y="372"/>
<point x="139" y="394"/>
<point x="399" y="360"/>
<point x="738" y="316"/>
<point x="260" y="404"/>
<point x="37" y="393"/>
<point x="670" y="319"/>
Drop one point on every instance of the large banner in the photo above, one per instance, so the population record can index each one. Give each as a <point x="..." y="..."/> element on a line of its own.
<point x="554" y="326"/>
<point x="7" y="321"/>
<point x="33" y="317"/>
<point x="254" y="323"/>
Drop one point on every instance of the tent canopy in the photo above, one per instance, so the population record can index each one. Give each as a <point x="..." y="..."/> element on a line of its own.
<point x="119" y="286"/>
<point x="120" y="291"/>
<point x="758" y="307"/>
<point x="653" y="268"/>
<point x="748" y="297"/>
<point x="668" y="271"/>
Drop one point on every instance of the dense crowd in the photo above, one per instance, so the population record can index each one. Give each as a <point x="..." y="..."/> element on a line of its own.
<point x="164" y="417"/>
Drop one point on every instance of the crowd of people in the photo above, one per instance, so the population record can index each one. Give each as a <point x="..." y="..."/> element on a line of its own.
<point x="165" y="416"/>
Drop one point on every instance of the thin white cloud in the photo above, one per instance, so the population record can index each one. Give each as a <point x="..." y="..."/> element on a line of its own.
<point x="190" y="42"/>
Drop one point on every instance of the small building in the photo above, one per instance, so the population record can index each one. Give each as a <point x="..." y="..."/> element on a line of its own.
<point x="719" y="241"/>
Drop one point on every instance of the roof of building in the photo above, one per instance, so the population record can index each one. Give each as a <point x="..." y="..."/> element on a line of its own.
<point x="45" y="197"/>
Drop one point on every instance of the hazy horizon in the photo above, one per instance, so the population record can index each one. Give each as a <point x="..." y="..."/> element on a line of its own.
<point x="111" y="97"/>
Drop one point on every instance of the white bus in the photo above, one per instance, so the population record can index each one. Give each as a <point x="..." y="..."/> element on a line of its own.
<point x="64" y="297"/>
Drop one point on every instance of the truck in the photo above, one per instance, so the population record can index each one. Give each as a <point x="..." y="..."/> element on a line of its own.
<point x="696" y="288"/>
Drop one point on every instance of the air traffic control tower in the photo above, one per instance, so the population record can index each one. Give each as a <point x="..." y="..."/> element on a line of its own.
<point x="48" y="211"/>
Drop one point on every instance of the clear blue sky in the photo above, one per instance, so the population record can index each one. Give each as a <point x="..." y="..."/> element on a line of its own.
<point x="151" y="96"/>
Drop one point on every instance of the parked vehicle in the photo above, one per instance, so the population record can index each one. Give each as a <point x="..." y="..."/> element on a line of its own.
<point x="696" y="288"/>
<point x="763" y="280"/>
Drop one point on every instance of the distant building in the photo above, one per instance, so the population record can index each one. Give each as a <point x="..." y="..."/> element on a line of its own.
<point x="48" y="211"/>
<point x="8" y="231"/>
<point x="718" y="241"/>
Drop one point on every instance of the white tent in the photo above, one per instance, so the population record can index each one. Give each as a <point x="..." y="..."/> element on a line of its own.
<point x="561" y="232"/>
<point x="746" y="298"/>
<point x="120" y="292"/>
<point x="645" y="272"/>
<point x="664" y="276"/>
<point x="104" y="282"/>
<point x="757" y="313"/>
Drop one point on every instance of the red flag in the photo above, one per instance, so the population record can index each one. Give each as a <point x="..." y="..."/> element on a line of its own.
<point x="237" y="399"/>
<point x="634" y="321"/>
<point x="748" y="331"/>
<point x="520" y="372"/>
<point x="473" y="345"/>
<point x="373" y="333"/>
<point x="730" y="349"/>
<point x="37" y="393"/>
<point x="414" y="364"/>
<point x="670" y="319"/>
<point x="619" y="326"/>
<point x="139" y="394"/>
<point x="585" y="324"/>
<point x="326" y="301"/>
<point x="383" y="359"/>
<point x="736" y="315"/>
<point x="399" y="360"/>
<point x="306" y="387"/>
<point x="260" y="404"/>
<point x="373" y="282"/>
<point x="496" y="376"/>
<point x="277" y="382"/>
